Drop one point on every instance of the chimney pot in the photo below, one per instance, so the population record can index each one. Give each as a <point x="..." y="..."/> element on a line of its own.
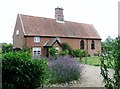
<point x="59" y="14"/>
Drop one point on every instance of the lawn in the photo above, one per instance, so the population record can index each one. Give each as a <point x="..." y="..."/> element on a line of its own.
<point x="95" y="61"/>
<point x="91" y="60"/>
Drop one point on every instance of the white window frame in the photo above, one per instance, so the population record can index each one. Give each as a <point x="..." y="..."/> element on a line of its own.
<point x="36" y="51"/>
<point x="36" y="39"/>
<point x="17" y="32"/>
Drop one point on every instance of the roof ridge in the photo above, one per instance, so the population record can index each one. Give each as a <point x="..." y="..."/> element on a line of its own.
<point x="49" y="27"/>
<point x="36" y="16"/>
<point x="54" y="19"/>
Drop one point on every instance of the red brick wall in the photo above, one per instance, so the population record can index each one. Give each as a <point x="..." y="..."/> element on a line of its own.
<point x="74" y="43"/>
<point x="97" y="47"/>
<point x="18" y="40"/>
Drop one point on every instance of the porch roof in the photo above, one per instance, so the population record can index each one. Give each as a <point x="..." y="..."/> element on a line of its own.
<point x="50" y="43"/>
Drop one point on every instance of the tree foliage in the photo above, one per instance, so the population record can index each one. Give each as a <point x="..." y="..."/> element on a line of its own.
<point x="6" y="47"/>
<point x="112" y="56"/>
<point x="108" y="44"/>
<point x="52" y="51"/>
<point x="65" y="46"/>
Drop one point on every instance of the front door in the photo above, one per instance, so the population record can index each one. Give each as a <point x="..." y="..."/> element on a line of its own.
<point x="47" y="52"/>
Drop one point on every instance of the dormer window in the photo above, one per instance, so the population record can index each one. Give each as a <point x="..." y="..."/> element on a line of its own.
<point x="36" y="39"/>
<point x="17" y="32"/>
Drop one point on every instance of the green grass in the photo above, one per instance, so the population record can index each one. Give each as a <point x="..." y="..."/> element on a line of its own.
<point x="95" y="61"/>
<point x="91" y="60"/>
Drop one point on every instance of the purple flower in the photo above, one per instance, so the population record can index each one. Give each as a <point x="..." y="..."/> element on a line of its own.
<point x="64" y="69"/>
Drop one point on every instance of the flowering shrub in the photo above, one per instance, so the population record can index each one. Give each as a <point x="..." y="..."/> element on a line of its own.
<point x="64" y="69"/>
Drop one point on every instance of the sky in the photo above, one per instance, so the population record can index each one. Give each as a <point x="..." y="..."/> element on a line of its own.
<point x="103" y="14"/>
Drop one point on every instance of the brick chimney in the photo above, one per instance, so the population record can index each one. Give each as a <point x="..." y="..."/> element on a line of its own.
<point x="59" y="14"/>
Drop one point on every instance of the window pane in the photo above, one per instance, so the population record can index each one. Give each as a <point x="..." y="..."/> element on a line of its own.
<point x="81" y="44"/>
<point x="92" y="44"/>
<point x="36" y="51"/>
<point x="36" y="39"/>
<point x="17" y="32"/>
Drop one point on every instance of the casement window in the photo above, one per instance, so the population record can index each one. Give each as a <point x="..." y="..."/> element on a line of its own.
<point x="36" y="51"/>
<point x="92" y="44"/>
<point x="36" y="39"/>
<point x="17" y="32"/>
<point x="82" y="44"/>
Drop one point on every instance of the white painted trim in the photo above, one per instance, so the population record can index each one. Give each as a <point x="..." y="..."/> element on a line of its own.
<point x="45" y="43"/>
<point x="36" y="49"/>
<point x="22" y="24"/>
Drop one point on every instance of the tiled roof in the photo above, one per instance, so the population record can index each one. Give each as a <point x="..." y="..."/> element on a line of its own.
<point x="51" y="42"/>
<point x="39" y="26"/>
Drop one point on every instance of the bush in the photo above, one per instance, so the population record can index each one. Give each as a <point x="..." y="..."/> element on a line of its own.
<point x="64" y="69"/>
<point x="65" y="46"/>
<point x="85" y="53"/>
<point x="21" y="72"/>
<point x="52" y="52"/>
<point x="6" y="47"/>
<point x="66" y="50"/>
<point x="80" y="53"/>
<point x="16" y="55"/>
<point x="112" y="56"/>
<point x="77" y="53"/>
<point x="64" y="53"/>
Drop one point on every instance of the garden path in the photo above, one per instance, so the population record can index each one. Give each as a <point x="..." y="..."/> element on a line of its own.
<point x="91" y="77"/>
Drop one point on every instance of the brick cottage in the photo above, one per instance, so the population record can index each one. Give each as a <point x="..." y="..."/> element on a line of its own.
<point x="41" y="33"/>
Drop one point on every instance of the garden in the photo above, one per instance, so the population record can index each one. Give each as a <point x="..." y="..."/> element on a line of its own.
<point x="20" y="71"/>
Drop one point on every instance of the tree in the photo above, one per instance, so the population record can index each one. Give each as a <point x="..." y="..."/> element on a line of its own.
<point x="112" y="56"/>
<point x="6" y="47"/>
<point x="108" y="44"/>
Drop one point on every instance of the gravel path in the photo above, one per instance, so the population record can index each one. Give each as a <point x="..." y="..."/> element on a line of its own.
<point x="90" y="78"/>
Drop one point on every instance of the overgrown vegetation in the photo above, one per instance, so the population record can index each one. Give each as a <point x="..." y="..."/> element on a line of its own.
<point x="112" y="56"/>
<point x="6" y="47"/>
<point x="80" y="53"/>
<point x="67" y="50"/>
<point x="52" y="52"/>
<point x="64" y="69"/>
<point x="21" y="72"/>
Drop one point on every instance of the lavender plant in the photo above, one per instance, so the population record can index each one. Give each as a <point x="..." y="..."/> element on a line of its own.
<point x="64" y="69"/>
